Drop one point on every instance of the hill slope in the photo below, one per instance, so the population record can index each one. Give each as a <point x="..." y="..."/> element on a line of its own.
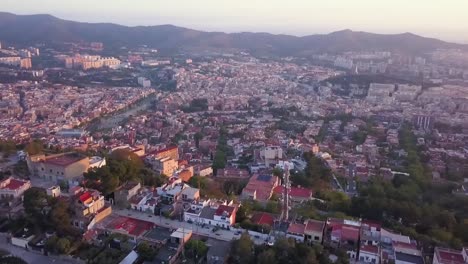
<point x="46" y="28"/>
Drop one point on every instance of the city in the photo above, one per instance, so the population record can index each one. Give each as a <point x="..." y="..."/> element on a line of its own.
<point x="118" y="152"/>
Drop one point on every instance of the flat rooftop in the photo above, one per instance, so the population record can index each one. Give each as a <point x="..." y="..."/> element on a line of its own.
<point x="131" y="226"/>
<point x="64" y="160"/>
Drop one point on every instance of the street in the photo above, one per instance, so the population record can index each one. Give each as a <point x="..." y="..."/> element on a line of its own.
<point x="221" y="234"/>
<point x="33" y="257"/>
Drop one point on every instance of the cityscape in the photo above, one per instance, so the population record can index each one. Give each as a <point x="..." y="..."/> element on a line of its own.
<point x="169" y="145"/>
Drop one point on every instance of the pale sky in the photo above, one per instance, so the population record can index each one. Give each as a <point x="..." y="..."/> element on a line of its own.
<point x="445" y="19"/>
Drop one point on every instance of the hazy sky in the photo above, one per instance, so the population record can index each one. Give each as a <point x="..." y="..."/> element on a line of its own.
<point x="446" y="19"/>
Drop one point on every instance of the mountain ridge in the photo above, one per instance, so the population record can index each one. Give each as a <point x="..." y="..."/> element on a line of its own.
<point x="47" y="28"/>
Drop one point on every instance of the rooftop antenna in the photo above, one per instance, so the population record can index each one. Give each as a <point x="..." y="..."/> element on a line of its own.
<point x="286" y="189"/>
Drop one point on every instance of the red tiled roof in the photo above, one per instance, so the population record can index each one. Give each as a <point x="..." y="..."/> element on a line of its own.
<point x="225" y="209"/>
<point x="350" y="233"/>
<point x="315" y="226"/>
<point x="296" y="228"/>
<point x="397" y="244"/>
<point x="15" y="184"/>
<point x="370" y="249"/>
<point x="449" y="256"/>
<point x="84" y="197"/>
<point x="262" y="219"/>
<point x="346" y="232"/>
<point x="132" y="226"/>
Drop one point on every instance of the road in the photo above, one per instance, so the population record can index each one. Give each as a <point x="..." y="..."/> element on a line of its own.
<point x="221" y="234"/>
<point x="33" y="257"/>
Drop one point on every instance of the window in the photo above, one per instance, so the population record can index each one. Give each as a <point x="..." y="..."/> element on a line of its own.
<point x="316" y="238"/>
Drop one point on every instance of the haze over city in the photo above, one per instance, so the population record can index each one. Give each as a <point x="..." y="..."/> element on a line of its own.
<point x="433" y="18"/>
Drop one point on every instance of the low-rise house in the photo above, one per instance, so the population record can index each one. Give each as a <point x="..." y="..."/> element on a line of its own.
<point x="313" y="232"/>
<point x="369" y="254"/>
<point x="144" y="201"/>
<point x="406" y="254"/>
<point x="262" y="218"/>
<point x="450" y="256"/>
<point x="296" y="231"/>
<point x="89" y="206"/>
<point x="125" y="192"/>
<point x="370" y="233"/>
<point x="212" y="213"/>
<point x="260" y="187"/>
<point x="344" y="234"/>
<point x="173" y="191"/>
<point x="11" y="188"/>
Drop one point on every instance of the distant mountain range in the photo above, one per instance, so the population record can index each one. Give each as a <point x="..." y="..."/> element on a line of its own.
<point x="27" y="29"/>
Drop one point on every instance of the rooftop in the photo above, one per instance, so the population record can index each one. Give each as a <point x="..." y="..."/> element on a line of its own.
<point x="445" y="255"/>
<point x="315" y="226"/>
<point x="12" y="184"/>
<point x="296" y="228"/>
<point x="407" y="258"/>
<point x="159" y="233"/>
<point x="370" y="249"/>
<point x="224" y="210"/>
<point x="131" y="226"/>
<point x="262" y="218"/>
<point x="64" y="160"/>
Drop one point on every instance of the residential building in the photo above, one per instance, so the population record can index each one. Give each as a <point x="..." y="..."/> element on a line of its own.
<point x="125" y="192"/>
<point x="313" y="232"/>
<point x="212" y="213"/>
<point x="296" y="231"/>
<point x="369" y="254"/>
<point x="450" y="256"/>
<point x="269" y="155"/>
<point x="25" y="63"/>
<point x="60" y="167"/>
<point x="260" y="187"/>
<point x="174" y="191"/>
<point x="11" y="188"/>
<point x="89" y="206"/>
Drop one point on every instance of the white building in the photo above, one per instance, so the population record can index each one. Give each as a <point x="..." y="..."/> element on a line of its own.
<point x="13" y="188"/>
<point x="212" y="213"/>
<point x="369" y="254"/>
<point x="144" y="82"/>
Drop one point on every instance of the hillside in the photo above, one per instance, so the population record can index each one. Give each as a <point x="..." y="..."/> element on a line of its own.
<point x="26" y="29"/>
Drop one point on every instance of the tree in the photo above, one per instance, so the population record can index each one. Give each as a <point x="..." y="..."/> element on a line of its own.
<point x="242" y="250"/>
<point x="196" y="250"/>
<point x="198" y="136"/>
<point x="149" y="178"/>
<point x="60" y="218"/>
<point x="34" y="203"/>
<point x="267" y="257"/>
<point x="35" y="147"/>
<point x="145" y="251"/>
<point x="63" y="245"/>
